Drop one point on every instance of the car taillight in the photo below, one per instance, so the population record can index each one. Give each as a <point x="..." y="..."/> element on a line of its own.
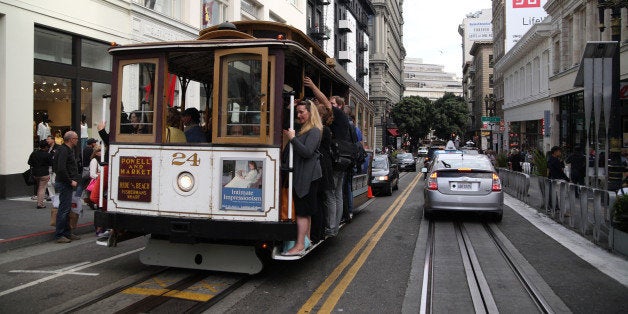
<point x="431" y="183"/>
<point x="497" y="183"/>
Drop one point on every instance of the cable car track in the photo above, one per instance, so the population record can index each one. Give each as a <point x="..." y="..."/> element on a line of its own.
<point x="179" y="295"/>
<point x="479" y="287"/>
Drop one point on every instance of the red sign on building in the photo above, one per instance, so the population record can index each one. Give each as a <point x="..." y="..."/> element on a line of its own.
<point x="516" y="4"/>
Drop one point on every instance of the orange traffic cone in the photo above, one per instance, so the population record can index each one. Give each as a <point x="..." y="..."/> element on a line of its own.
<point x="369" y="193"/>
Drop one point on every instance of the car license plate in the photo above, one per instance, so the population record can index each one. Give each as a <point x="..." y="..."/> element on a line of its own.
<point x="463" y="186"/>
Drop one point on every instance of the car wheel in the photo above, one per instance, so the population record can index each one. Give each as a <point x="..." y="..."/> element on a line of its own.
<point x="389" y="189"/>
<point x="498" y="217"/>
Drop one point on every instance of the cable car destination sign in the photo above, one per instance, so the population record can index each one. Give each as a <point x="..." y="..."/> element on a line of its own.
<point x="134" y="179"/>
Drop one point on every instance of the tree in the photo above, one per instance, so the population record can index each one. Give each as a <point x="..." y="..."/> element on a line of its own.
<point x="413" y="115"/>
<point x="450" y="116"/>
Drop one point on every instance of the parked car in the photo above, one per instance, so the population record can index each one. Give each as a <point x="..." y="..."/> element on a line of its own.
<point x="384" y="175"/>
<point x="422" y="152"/>
<point x="406" y="162"/>
<point x="460" y="182"/>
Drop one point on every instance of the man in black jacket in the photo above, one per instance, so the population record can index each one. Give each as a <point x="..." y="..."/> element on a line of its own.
<point x="40" y="160"/>
<point x="67" y="177"/>
<point x="578" y="166"/>
<point x="555" y="166"/>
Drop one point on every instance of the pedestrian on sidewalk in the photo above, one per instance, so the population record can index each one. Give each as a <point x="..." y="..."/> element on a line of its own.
<point x="556" y="171"/>
<point x="66" y="169"/>
<point x="39" y="161"/>
<point x="578" y="163"/>
<point x="555" y="165"/>
<point x="52" y="149"/>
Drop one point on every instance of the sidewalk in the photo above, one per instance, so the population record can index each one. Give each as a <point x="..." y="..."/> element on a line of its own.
<point x="21" y="224"/>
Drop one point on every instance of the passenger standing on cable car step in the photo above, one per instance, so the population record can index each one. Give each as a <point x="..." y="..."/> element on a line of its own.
<point x="340" y="130"/>
<point x="307" y="171"/>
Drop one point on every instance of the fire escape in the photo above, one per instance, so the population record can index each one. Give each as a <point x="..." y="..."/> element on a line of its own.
<point x="317" y="30"/>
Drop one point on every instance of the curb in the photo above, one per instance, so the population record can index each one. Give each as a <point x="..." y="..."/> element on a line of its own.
<point x="40" y="237"/>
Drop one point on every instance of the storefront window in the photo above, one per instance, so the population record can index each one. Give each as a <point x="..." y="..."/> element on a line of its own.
<point x="53" y="46"/>
<point x="95" y="55"/>
<point x="52" y="101"/>
<point x="571" y="122"/>
<point x="91" y="104"/>
<point x="63" y="97"/>
<point x="533" y="135"/>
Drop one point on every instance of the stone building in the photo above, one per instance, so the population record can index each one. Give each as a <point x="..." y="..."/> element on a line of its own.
<point x="482" y="104"/>
<point x="429" y="80"/>
<point x="386" y="63"/>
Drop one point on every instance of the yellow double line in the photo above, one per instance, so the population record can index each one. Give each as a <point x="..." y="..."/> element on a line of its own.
<point x="366" y="245"/>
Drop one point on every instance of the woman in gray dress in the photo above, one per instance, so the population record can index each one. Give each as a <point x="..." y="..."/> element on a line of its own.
<point x="307" y="170"/>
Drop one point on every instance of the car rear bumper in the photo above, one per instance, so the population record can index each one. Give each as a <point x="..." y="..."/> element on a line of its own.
<point x="436" y="201"/>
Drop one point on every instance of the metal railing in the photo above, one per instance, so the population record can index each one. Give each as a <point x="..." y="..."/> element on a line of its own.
<point x="585" y="210"/>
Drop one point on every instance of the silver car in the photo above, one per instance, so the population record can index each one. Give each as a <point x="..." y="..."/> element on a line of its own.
<point x="464" y="183"/>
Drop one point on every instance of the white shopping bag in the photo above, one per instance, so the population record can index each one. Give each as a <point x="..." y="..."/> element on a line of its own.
<point x="55" y="200"/>
<point x="77" y="205"/>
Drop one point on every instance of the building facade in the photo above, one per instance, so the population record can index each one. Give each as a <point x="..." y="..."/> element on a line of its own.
<point x="554" y="110"/>
<point x="526" y="102"/>
<point x="429" y="80"/>
<point x="484" y="134"/>
<point x="476" y="26"/>
<point x="341" y="28"/>
<point x="386" y="63"/>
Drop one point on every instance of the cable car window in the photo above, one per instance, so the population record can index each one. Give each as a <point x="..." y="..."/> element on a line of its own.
<point x="137" y="90"/>
<point x="242" y="111"/>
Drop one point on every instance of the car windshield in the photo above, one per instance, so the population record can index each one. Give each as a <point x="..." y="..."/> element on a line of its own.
<point x="380" y="163"/>
<point x="405" y="156"/>
<point x="476" y="164"/>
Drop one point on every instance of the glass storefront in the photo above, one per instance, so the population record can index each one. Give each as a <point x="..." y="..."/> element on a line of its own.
<point x="53" y="46"/>
<point x="572" y="125"/>
<point x="52" y="97"/>
<point x="525" y="135"/>
<point x="66" y="88"/>
<point x="94" y="55"/>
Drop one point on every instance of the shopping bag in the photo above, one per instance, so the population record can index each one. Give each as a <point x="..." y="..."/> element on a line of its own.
<point x="55" y="200"/>
<point x="53" y="216"/>
<point x="73" y="218"/>
<point x="92" y="183"/>
<point x="28" y="177"/>
<point x="77" y="205"/>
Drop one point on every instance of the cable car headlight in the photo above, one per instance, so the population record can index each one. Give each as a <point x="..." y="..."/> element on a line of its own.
<point x="185" y="181"/>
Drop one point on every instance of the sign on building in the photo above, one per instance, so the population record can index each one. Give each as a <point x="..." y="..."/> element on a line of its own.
<point x="520" y="16"/>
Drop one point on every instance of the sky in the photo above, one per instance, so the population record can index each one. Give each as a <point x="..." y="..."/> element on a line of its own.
<point x="430" y="30"/>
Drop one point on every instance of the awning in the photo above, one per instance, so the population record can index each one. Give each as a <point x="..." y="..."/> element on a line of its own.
<point x="393" y="132"/>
